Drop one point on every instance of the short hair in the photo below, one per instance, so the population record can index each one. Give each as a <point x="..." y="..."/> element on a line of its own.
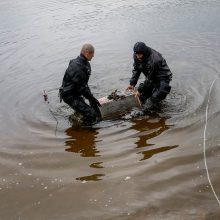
<point x="87" y="48"/>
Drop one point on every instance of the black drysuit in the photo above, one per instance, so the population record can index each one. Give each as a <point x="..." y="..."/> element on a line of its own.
<point x="158" y="75"/>
<point x="75" y="88"/>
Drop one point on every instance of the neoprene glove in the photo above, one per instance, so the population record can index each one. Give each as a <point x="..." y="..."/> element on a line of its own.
<point x="94" y="101"/>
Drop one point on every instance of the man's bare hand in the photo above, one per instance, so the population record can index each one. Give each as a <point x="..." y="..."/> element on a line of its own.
<point x="137" y="94"/>
<point x="130" y="87"/>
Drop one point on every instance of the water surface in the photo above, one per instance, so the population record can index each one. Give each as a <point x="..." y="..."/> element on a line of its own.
<point x="161" y="166"/>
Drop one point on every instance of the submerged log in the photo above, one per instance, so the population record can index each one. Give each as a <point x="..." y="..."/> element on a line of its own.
<point x="115" y="105"/>
<point x="112" y="106"/>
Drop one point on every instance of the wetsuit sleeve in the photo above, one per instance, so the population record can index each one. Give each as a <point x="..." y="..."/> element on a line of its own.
<point x="135" y="75"/>
<point x="87" y="93"/>
<point x="164" y="73"/>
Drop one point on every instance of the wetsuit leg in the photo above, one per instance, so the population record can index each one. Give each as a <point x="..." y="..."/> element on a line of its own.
<point x="146" y="92"/>
<point x="80" y="106"/>
<point x="160" y="92"/>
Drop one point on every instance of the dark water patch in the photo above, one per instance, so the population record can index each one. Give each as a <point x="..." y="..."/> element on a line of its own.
<point x="94" y="177"/>
<point x="96" y="165"/>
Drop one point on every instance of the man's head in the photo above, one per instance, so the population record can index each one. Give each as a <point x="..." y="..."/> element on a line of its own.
<point x="88" y="51"/>
<point x="141" y="51"/>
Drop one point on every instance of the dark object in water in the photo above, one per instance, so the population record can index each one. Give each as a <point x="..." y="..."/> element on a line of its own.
<point x="115" y="96"/>
<point x="45" y="96"/>
<point x="112" y="106"/>
<point x="116" y="105"/>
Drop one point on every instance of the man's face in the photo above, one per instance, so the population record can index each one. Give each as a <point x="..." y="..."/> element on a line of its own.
<point x="139" y="56"/>
<point x="89" y="55"/>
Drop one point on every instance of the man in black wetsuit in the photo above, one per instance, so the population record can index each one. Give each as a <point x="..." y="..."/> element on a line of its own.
<point x="75" y="86"/>
<point x="157" y="75"/>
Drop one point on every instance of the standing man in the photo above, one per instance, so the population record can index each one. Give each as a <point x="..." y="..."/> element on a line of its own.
<point x="157" y="75"/>
<point x="75" y="86"/>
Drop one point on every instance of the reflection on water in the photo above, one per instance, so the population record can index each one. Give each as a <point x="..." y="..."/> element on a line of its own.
<point x="97" y="165"/>
<point x="83" y="141"/>
<point x="94" y="177"/>
<point x="149" y="129"/>
<point x="149" y="153"/>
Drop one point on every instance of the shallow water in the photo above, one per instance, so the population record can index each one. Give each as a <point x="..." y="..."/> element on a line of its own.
<point x="161" y="166"/>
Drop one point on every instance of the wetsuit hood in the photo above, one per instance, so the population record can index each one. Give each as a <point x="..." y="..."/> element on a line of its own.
<point x="140" y="47"/>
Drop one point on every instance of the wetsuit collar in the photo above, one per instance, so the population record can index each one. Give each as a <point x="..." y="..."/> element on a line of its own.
<point x="83" y="58"/>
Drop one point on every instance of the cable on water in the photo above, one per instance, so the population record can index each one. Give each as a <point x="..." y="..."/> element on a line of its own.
<point x="204" y="140"/>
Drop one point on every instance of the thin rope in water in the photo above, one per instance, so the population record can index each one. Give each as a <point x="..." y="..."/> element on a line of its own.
<point x="46" y="99"/>
<point x="204" y="142"/>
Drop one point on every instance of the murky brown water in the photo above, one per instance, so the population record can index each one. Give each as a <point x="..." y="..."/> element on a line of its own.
<point x="162" y="166"/>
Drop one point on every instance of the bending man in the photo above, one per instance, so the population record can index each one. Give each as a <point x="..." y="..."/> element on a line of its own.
<point x="75" y="86"/>
<point x="157" y="75"/>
